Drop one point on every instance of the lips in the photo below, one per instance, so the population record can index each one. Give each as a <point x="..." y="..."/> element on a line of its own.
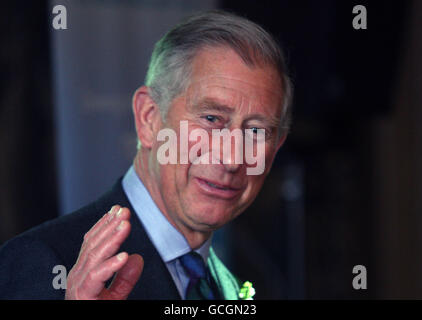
<point x="213" y="188"/>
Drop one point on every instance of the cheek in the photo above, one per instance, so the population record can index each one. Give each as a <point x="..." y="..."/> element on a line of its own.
<point x="192" y="142"/>
<point x="269" y="157"/>
<point x="255" y="183"/>
<point x="259" y="161"/>
<point x="197" y="145"/>
<point x="176" y="180"/>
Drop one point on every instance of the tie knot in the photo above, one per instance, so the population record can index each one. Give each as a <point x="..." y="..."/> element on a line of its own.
<point x="194" y="265"/>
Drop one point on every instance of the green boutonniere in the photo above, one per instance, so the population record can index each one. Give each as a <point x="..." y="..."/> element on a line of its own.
<point x="247" y="291"/>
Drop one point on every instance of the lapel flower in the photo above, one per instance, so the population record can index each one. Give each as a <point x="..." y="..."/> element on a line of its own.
<point x="247" y="291"/>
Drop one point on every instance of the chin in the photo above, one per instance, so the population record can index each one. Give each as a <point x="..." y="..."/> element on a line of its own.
<point x="211" y="218"/>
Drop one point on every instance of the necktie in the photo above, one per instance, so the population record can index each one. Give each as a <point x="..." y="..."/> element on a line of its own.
<point x="200" y="285"/>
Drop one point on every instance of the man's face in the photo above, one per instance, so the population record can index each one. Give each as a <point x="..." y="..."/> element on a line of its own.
<point x="223" y="93"/>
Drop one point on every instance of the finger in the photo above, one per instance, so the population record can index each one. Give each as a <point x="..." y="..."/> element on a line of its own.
<point x="126" y="278"/>
<point x="112" y="222"/>
<point x="103" y="221"/>
<point x="108" y="247"/>
<point x="95" y="279"/>
<point x="90" y="258"/>
<point x="100" y="222"/>
<point x="105" y="231"/>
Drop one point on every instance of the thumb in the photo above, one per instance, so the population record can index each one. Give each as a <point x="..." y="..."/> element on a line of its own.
<point x="125" y="279"/>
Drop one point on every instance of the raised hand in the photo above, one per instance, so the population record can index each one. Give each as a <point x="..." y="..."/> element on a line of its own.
<point x="98" y="261"/>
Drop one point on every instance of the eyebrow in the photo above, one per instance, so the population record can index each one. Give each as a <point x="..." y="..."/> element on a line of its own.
<point x="214" y="105"/>
<point x="271" y="121"/>
<point x="211" y="104"/>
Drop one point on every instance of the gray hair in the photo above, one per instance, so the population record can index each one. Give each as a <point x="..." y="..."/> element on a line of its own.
<point x="171" y="61"/>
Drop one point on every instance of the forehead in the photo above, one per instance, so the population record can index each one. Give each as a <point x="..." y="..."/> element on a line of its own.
<point x="220" y="74"/>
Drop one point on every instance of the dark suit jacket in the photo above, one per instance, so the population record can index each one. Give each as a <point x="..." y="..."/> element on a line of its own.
<point x="27" y="261"/>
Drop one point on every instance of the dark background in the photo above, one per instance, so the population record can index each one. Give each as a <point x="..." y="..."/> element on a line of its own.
<point x="345" y="189"/>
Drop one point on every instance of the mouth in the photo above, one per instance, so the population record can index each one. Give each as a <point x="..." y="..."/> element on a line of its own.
<point x="216" y="189"/>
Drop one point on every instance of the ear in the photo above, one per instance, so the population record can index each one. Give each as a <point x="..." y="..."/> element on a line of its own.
<point x="147" y="117"/>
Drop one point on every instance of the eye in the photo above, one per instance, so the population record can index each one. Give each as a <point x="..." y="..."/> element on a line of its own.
<point x="211" y="118"/>
<point x="254" y="130"/>
<point x="256" y="133"/>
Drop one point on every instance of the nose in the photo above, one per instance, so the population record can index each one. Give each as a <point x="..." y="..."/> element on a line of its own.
<point x="232" y="151"/>
<point x="230" y="164"/>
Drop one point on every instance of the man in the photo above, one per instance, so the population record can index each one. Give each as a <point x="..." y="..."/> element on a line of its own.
<point x="212" y="72"/>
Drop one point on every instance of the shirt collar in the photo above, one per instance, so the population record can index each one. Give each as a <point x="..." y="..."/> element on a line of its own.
<point x="168" y="241"/>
